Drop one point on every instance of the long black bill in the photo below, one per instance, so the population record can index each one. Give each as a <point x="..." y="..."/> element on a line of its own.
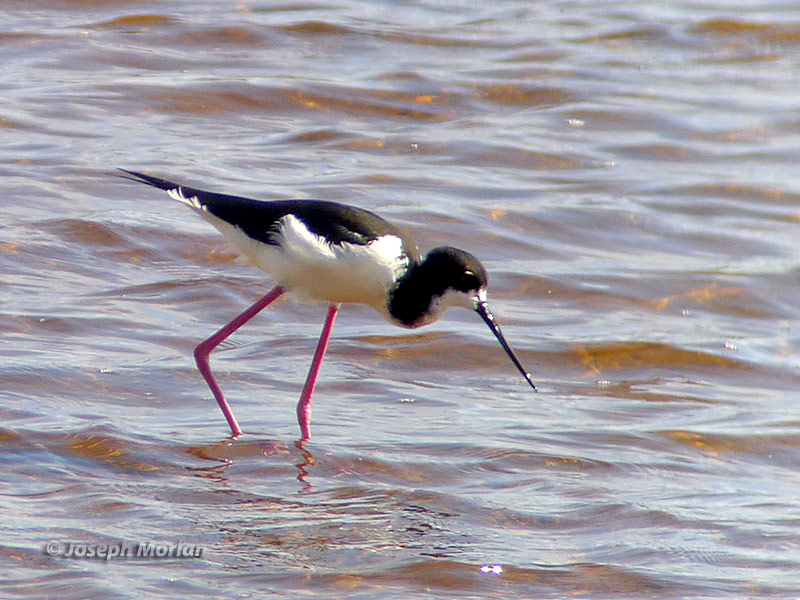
<point x="483" y="310"/>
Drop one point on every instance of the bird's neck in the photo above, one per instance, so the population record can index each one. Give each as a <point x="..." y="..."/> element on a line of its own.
<point x="413" y="299"/>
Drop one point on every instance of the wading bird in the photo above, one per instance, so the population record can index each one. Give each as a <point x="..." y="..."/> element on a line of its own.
<point x="334" y="253"/>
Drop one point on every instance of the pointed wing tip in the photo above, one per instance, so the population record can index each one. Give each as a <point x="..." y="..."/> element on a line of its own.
<point x="138" y="177"/>
<point x="130" y="175"/>
<point x="156" y="182"/>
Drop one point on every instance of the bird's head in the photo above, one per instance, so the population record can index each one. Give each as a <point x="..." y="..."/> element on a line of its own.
<point x="450" y="277"/>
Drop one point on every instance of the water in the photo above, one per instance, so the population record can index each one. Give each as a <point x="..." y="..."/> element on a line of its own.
<point x="625" y="170"/>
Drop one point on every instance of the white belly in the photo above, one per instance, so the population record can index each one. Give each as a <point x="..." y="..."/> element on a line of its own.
<point x="305" y="265"/>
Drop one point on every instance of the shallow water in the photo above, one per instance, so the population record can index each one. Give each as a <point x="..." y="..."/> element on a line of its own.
<point x="626" y="171"/>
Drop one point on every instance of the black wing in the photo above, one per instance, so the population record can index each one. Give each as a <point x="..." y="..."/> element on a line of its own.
<point x="336" y="222"/>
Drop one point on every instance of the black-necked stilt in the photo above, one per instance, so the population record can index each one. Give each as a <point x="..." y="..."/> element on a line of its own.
<point x="336" y="253"/>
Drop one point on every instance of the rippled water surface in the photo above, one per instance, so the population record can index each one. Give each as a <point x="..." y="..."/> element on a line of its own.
<point x="627" y="171"/>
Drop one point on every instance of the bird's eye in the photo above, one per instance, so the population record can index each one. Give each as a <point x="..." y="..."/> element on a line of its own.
<point x="468" y="282"/>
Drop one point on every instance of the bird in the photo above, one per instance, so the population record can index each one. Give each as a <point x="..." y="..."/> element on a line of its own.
<point x="335" y="253"/>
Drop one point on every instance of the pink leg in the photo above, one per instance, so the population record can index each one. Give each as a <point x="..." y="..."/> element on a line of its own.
<point x="204" y="349"/>
<point x="304" y="404"/>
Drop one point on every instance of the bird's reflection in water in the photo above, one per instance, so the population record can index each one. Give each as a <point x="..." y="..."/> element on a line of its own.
<point x="225" y="452"/>
<point x="302" y="466"/>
